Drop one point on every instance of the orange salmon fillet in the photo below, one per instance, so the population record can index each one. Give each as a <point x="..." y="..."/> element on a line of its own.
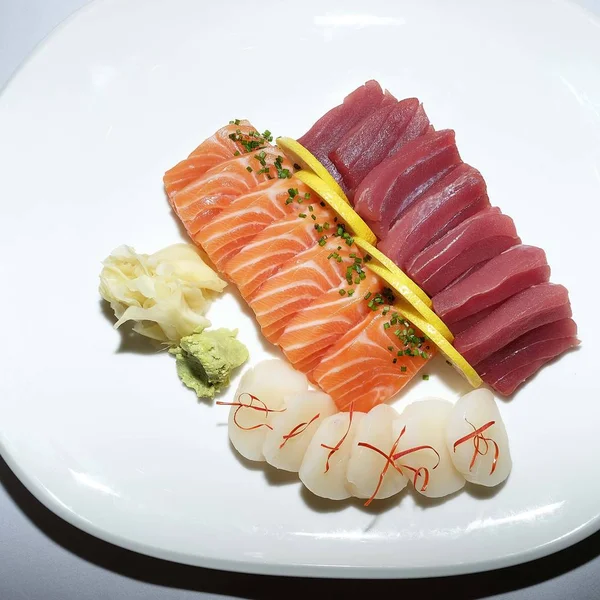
<point x="200" y="201"/>
<point x="216" y="149"/>
<point x="297" y="283"/>
<point x="309" y="335"/>
<point x="238" y="224"/>
<point x="359" y="367"/>
<point x="278" y="243"/>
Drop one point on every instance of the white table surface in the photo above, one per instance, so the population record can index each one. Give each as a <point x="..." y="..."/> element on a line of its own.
<point x="41" y="556"/>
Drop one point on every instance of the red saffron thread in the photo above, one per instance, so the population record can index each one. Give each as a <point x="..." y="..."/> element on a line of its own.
<point x="334" y="449"/>
<point x="392" y="457"/>
<point x="388" y="462"/>
<point x="477" y="436"/>
<point x="300" y="428"/>
<point x="262" y="407"/>
<point x="417" y="472"/>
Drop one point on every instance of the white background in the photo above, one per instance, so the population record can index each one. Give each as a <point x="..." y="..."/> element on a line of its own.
<point x="42" y="557"/>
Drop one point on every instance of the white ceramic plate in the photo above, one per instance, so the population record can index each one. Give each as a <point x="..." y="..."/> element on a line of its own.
<point x="103" y="433"/>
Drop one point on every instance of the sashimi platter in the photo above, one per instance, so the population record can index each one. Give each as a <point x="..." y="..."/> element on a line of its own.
<point x="307" y="290"/>
<point x="364" y="249"/>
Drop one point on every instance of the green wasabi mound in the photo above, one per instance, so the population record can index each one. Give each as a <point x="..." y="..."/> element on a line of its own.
<point x="205" y="360"/>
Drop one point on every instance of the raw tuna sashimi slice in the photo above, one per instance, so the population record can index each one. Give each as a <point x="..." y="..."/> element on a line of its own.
<point x="455" y="197"/>
<point x="531" y="308"/>
<point x="295" y="285"/>
<point x="508" y="368"/>
<point x="326" y="133"/>
<point x="216" y="149"/>
<point x="419" y="125"/>
<point x="248" y="215"/>
<point x="392" y="186"/>
<point x="374" y="138"/>
<point x="480" y="237"/>
<point x="460" y="326"/>
<point x="198" y="202"/>
<point x="277" y="244"/>
<point x="318" y="326"/>
<point x="501" y="277"/>
<point x="359" y="368"/>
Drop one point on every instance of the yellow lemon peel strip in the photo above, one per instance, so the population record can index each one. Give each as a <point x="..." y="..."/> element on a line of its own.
<point x="391" y="266"/>
<point x="345" y="211"/>
<point x="413" y="300"/>
<point x="299" y="155"/>
<point x="444" y="346"/>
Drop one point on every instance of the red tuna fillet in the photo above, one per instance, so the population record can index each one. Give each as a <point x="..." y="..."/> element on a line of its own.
<point x="327" y="132"/>
<point x="393" y="185"/>
<point x="508" y="368"/>
<point x="375" y="138"/>
<point x="501" y="277"/>
<point x="478" y="238"/>
<point x="460" y="326"/>
<point x="531" y="308"/>
<point x="454" y="198"/>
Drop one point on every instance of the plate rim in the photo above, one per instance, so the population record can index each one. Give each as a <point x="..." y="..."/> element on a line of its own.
<point x="296" y="569"/>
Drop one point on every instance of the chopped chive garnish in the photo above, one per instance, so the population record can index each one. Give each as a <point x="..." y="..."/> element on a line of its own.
<point x="236" y="153"/>
<point x="386" y="325"/>
<point x="425" y="377"/>
<point x="310" y="208"/>
<point x="292" y="192"/>
<point x="313" y="217"/>
<point x="395" y="361"/>
<point x="368" y="295"/>
<point x="403" y="368"/>
<point x="351" y="292"/>
<point x="391" y="348"/>
<point x="249" y="169"/>
<point x="342" y="292"/>
<point x="302" y="215"/>
<point x="297" y="166"/>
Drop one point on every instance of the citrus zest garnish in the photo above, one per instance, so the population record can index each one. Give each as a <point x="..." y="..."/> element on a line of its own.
<point x="302" y="157"/>
<point x="391" y="266"/>
<point x="342" y="208"/>
<point x="444" y="346"/>
<point x="411" y="298"/>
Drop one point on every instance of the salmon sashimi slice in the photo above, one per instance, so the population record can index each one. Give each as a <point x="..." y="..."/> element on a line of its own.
<point x="359" y="369"/>
<point x="297" y="283"/>
<point x="238" y="224"/>
<point x="317" y="327"/>
<point x="278" y="243"/>
<point x="200" y="201"/>
<point x="238" y="137"/>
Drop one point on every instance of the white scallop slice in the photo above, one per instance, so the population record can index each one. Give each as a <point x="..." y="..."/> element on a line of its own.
<point x="425" y="425"/>
<point x="330" y="483"/>
<point x="366" y="465"/>
<point x="474" y="410"/>
<point x="269" y="381"/>
<point x="304" y="412"/>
